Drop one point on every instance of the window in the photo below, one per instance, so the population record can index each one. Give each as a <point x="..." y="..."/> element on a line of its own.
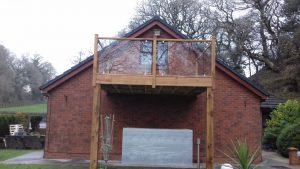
<point x="146" y="53"/>
<point x="161" y="53"/>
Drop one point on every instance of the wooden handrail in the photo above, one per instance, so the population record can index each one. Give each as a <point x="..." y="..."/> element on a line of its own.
<point x="158" y="39"/>
<point x="131" y="39"/>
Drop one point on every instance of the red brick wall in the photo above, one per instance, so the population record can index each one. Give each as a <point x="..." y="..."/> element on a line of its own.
<point x="237" y="115"/>
<point x="69" y="118"/>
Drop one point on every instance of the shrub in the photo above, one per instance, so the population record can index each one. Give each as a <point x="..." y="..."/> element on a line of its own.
<point x="5" y="121"/>
<point x="241" y="155"/>
<point x="23" y="118"/>
<point x="283" y="115"/>
<point x="289" y="137"/>
<point x="35" y="122"/>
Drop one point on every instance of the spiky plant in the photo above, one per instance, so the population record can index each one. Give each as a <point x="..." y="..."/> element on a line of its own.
<point x="240" y="155"/>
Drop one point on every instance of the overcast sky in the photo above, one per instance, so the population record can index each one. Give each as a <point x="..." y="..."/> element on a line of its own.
<point x="59" y="29"/>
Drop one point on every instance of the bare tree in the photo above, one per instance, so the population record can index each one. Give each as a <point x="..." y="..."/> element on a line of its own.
<point x="245" y="29"/>
<point x="186" y="16"/>
<point x="6" y="76"/>
<point x="82" y="55"/>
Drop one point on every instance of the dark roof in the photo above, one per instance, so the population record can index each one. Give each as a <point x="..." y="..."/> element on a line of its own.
<point x="90" y="58"/>
<point x="156" y="18"/>
<point x="272" y="101"/>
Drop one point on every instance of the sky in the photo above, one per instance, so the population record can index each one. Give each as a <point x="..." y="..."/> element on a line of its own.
<point x="60" y="29"/>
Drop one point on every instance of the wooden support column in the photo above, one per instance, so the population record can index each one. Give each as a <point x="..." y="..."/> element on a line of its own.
<point x="209" y="129"/>
<point x="96" y="111"/>
<point x="95" y="127"/>
<point x="210" y="111"/>
<point x="154" y="61"/>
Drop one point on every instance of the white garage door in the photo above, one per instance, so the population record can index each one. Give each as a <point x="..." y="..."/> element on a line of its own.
<point x="157" y="146"/>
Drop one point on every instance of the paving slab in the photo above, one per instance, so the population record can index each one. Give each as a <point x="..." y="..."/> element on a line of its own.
<point x="271" y="160"/>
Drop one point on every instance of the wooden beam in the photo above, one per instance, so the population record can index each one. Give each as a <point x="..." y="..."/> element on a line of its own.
<point x="131" y="39"/>
<point x="95" y="61"/>
<point x="197" y="68"/>
<point x="193" y="81"/>
<point x="124" y="79"/>
<point x="95" y="127"/>
<point x="159" y="89"/>
<point x="210" y="111"/>
<point x="184" y="81"/>
<point x="188" y="91"/>
<point x="213" y="59"/>
<point x="183" y="40"/>
<point x="158" y="39"/>
<point x="116" y="88"/>
<point x="175" y="89"/>
<point x="209" y="129"/>
<point x="154" y="61"/>
<point x="130" y="88"/>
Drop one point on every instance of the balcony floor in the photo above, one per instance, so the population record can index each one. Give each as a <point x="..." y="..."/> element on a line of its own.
<point x="158" y="90"/>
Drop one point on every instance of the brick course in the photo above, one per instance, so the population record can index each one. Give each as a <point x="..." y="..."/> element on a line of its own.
<point x="237" y="115"/>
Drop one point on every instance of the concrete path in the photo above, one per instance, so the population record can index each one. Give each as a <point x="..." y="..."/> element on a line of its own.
<point x="37" y="158"/>
<point x="271" y="160"/>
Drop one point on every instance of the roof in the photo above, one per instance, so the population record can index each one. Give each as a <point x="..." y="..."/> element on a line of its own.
<point x="272" y="101"/>
<point x="156" y="18"/>
<point x="88" y="62"/>
<point x="65" y="73"/>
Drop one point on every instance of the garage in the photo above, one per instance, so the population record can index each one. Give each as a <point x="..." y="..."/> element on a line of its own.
<point x="157" y="146"/>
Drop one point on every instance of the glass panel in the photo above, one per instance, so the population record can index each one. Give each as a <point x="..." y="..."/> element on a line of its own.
<point x="146" y="53"/>
<point x="124" y="57"/>
<point x="173" y="58"/>
<point x="188" y="59"/>
<point x="162" y="53"/>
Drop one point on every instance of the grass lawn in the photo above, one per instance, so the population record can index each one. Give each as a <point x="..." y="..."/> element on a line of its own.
<point x="36" y="108"/>
<point x="7" y="154"/>
<point x="35" y="166"/>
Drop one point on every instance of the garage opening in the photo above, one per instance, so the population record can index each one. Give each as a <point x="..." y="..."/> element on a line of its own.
<point x="157" y="146"/>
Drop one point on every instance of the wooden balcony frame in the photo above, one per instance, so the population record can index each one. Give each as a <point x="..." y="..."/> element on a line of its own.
<point x="152" y="80"/>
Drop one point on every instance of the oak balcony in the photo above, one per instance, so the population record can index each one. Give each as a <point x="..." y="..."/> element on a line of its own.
<point x="154" y="65"/>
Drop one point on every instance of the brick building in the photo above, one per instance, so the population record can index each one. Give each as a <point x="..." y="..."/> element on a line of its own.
<point x="237" y="111"/>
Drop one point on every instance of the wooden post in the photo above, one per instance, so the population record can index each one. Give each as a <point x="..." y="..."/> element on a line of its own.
<point x="154" y="61"/>
<point x="95" y="127"/>
<point x="213" y="59"/>
<point x="209" y="129"/>
<point x="95" y="61"/>
<point x="196" y="68"/>
<point x="96" y="111"/>
<point x="210" y="111"/>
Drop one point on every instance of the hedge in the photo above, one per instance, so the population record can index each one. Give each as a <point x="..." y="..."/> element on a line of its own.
<point x="289" y="137"/>
<point x="5" y="121"/>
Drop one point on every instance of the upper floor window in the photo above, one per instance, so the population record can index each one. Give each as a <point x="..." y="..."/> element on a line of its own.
<point x="161" y="53"/>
